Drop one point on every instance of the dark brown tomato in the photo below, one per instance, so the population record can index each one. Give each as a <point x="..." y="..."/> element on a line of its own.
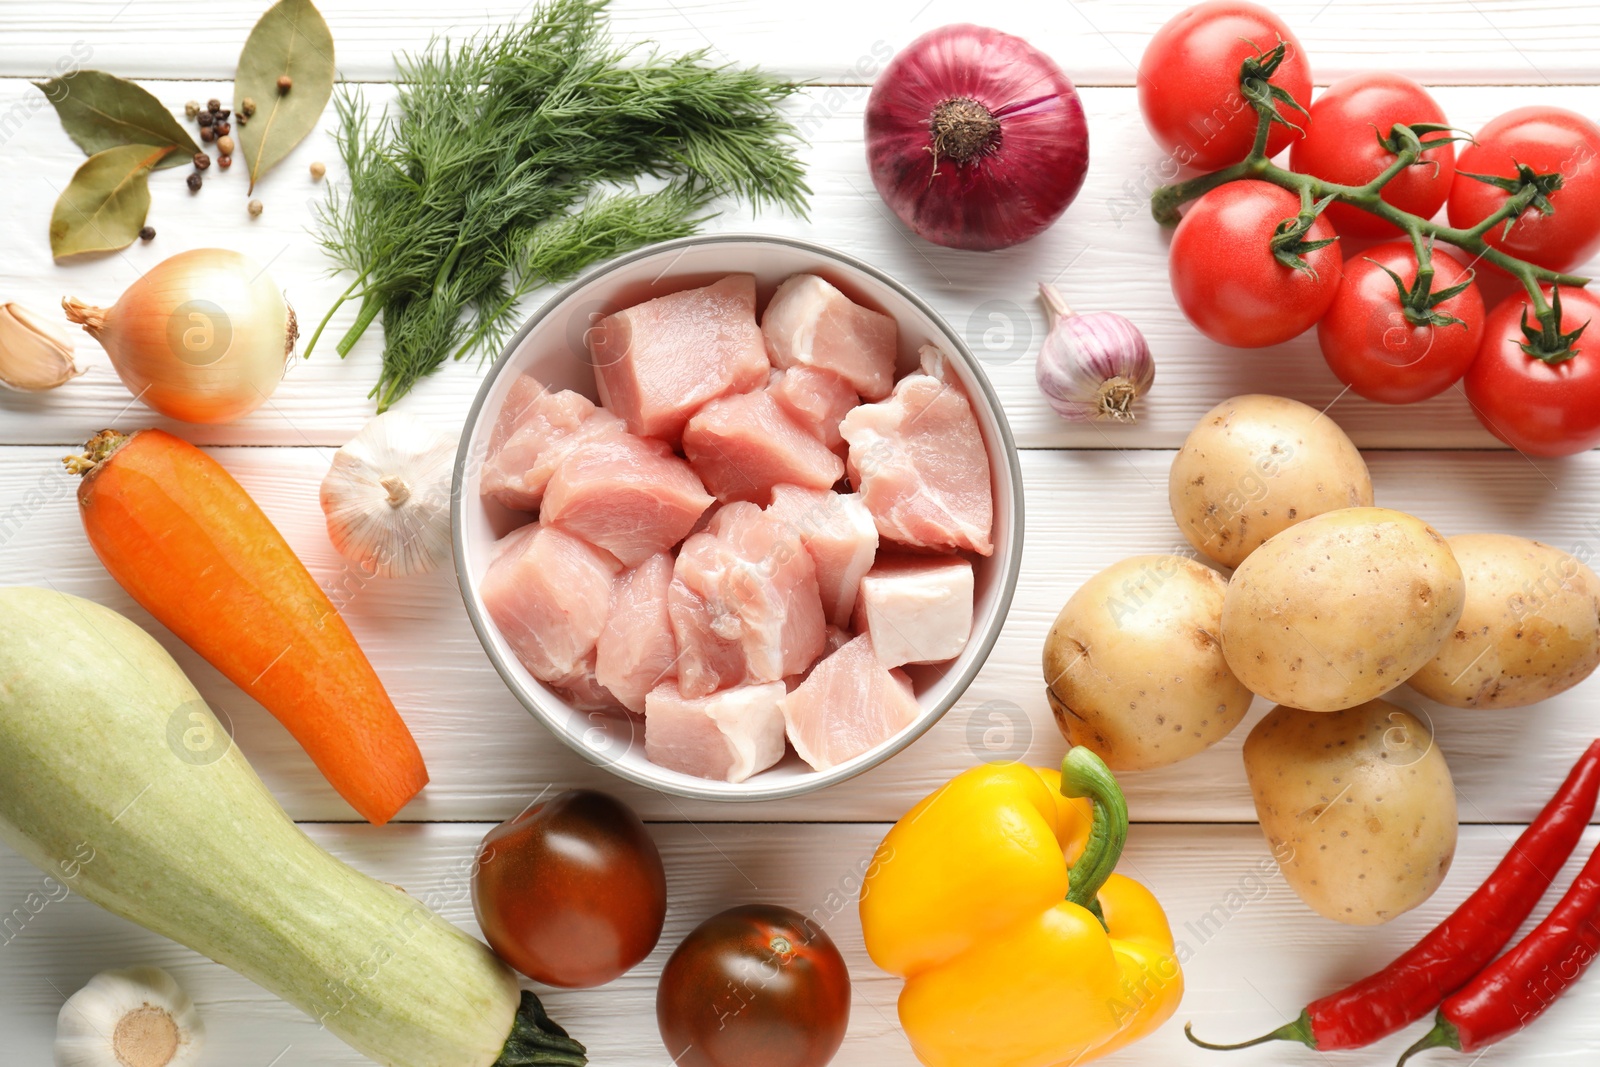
<point x="756" y="986"/>
<point x="571" y="892"/>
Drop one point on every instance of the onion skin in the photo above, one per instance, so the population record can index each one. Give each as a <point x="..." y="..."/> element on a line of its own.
<point x="202" y="337"/>
<point x="1021" y="181"/>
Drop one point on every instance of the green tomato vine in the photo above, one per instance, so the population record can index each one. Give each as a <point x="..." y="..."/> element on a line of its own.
<point x="1527" y="191"/>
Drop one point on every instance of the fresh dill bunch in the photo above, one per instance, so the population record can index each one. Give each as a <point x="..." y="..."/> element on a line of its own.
<point x="512" y="160"/>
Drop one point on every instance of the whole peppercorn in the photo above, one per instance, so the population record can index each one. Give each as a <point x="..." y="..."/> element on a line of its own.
<point x="201" y="161"/>
<point x="317" y="171"/>
<point x="194" y="182"/>
<point x="225" y="145"/>
<point x="147" y="234"/>
<point x="285" y="83"/>
<point x="208" y="133"/>
<point x="191" y="109"/>
<point x="222" y="128"/>
<point x="223" y="114"/>
<point x="224" y="161"/>
<point x="255" y="208"/>
<point x="205" y="118"/>
<point x="213" y="105"/>
<point x="247" y="107"/>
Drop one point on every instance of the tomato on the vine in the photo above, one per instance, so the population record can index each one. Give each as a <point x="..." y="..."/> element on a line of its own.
<point x="1189" y="82"/>
<point x="1342" y="144"/>
<point x="1548" y="140"/>
<point x="1372" y="346"/>
<point x="1229" y="282"/>
<point x="1543" y="409"/>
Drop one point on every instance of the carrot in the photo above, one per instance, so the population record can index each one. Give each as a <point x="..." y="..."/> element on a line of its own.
<point x="187" y="542"/>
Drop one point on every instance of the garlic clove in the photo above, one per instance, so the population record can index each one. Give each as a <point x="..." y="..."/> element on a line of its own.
<point x="35" y="354"/>
<point x="387" y="496"/>
<point x="1092" y="366"/>
<point x="135" y="1018"/>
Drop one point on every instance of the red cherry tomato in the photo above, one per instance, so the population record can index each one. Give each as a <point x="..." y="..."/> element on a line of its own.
<point x="1189" y="82"/>
<point x="756" y="986"/>
<point x="1374" y="349"/>
<point x="1341" y="145"/>
<point x="1543" y="409"/>
<point x="571" y="892"/>
<point x="1227" y="280"/>
<point x="1551" y="140"/>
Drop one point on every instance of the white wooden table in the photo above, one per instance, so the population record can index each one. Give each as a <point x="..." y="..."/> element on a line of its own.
<point x="1093" y="495"/>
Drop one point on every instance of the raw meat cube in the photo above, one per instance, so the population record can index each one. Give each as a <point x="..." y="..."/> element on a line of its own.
<point x="838" y="531"/>
<point x="918" y="609"/>
<point x="816" y="399"/>
<point x="743" y="445"/>
<point x="584" y="691"/>
<point x="744" y="603"/>
<point x="636" y="651"/>
<point x="850" y="703"/>
<point x="919" y="463"/>
<point x="727" y="736"/>
<point x="549" y="594"/>
<point x="535" y="430"/>
<point x="811" y="324"/>
<point x="629" y="495"/>
<point x="657" y="362"/>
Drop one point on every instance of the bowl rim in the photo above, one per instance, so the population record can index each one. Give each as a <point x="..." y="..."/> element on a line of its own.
<point x="816" y="780"/>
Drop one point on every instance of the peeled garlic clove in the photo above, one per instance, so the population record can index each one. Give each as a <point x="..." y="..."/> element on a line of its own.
<point x="387" y="496"/>
<point x="35" y="354"/>
<point x="133" y="1018"/>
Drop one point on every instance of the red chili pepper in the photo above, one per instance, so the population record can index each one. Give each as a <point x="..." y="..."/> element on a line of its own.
<point x="1516" y="988"/>
<point x="1459" y="947"/>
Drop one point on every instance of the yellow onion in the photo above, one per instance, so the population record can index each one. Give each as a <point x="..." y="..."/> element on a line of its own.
<point x="202" y="337"/>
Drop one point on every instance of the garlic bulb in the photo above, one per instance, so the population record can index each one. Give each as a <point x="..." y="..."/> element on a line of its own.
<point x="35" y="355"/>
<point x="133" y="1018"/>
<point x="1092" y="366"/>
<point x="387" y="496"/>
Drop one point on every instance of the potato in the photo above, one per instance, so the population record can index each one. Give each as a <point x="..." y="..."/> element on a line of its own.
<point x="1530" y="629"/>
<point x="1133" y="667"/>
<point x="1357" y="805"/>
<point x="1256" y="465"/>
<point x="1341" y="608"/>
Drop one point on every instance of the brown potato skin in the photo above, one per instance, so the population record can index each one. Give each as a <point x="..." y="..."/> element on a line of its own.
<point x="1255" y="465"/>
<point x="1357" y="805"/>
<point x="1530" y="628"/>
<point x="1133" y="666"/>
<point x="1341" y="608"/>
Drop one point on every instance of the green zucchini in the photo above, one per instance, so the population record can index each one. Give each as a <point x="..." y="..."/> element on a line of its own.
<point x="108" y="752"/>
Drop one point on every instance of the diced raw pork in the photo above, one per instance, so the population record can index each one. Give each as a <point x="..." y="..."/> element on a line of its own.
<point x="849" y="704"/>
<point x="535" y="430"/>
<point x="838" y="531"/>
<point x="809" y="323"/>
<point x="744" y="603"/>
<point x="919" y="463"/>
<point x="549" y="595"/>
<point x="629" y="495"/>
<point x="636" y="650"/>
<point x="727" y="736"/>
<point x="816" y="399"/>
<point x="743" y="445"/>
<point x="918" y="609"/>
<point x="657" y="362"/>
<point x="584" y="691"/>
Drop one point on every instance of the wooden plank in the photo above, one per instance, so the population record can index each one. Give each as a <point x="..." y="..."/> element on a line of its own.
<point x="1085" y="511"/>
<point x="1253" y="952"/>
<point x="1105" y="254"/>
<point x="1098" y="42"/>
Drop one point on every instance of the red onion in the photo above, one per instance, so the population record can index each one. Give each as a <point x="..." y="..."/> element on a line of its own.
<point x="975" y="138"/>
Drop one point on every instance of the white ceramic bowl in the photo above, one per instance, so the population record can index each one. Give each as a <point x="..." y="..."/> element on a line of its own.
<point x="551" y="346"/>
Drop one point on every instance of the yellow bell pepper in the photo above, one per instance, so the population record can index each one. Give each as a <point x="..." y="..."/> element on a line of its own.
<point x="995" y="899"/>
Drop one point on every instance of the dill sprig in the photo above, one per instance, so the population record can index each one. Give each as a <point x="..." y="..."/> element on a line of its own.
<point x="512" y="160"/>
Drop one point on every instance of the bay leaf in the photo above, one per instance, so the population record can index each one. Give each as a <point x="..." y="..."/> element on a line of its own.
<point x="292" y="40"/>
<point x="101" y="111"/>
<point x="104" y="206"/>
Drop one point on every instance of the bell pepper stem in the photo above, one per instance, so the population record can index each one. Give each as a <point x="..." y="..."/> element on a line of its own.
<point x="1084" y="774"/>
<point x="1299" y="1030"/>
<point x="1443" y="1035"/>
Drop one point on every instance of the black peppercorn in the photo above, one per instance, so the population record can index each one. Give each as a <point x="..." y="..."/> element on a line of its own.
<point x="223" y="114"/>
<point x="208" y="133"/>
<point x="201" y="161"/>
<point x="194" y="182"/>
<point x="205" y="118"/>
<point x="147" y="234"/>
<point x="213" y="105"/>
